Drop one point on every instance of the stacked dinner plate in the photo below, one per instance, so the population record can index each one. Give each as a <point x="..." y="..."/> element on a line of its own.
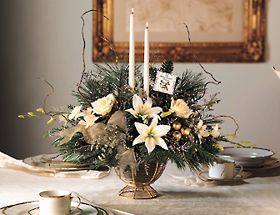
<point x="50" y="164"/>
<point x="252" y="159"/>
<point x="55" y="162"/>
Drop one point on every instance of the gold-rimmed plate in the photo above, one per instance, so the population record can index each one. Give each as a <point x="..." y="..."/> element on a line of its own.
<point x="32" y="208"/>
<point x="269" y="164"/>
<point x="247" y="157"/>
<point x="54" y="161"/>
<point x="204" y="176"/>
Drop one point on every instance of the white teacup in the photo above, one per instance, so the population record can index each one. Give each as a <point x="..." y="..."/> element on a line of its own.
<point x="224" y="170"/>
<point x="56" y="202"/>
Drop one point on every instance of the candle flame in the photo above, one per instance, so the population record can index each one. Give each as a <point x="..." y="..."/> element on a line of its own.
<point x="147" y="25"/>
<point x="132" y="10"/>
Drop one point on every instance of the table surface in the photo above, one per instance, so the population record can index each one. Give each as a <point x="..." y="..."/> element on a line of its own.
<point x="258" y="195"/>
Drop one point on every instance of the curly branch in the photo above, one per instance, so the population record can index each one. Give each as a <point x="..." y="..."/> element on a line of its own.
<point x="226" y="116"/>
<point x="84" y="48"/>
<point x="190" y="42"/>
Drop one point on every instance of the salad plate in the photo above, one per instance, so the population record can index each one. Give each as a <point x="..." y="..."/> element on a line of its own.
<point x="247" y="157"/>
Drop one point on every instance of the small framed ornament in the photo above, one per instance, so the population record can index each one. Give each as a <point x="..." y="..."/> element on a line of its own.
<point x="165" y="83"/>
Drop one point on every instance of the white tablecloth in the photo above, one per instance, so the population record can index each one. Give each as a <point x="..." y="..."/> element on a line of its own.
<point x="259" y="195"/>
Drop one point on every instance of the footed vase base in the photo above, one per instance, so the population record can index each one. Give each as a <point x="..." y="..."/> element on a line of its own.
<point x="145" y="192"/>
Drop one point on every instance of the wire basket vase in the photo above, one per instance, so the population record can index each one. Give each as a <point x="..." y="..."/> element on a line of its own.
<point x="139" y="179"/>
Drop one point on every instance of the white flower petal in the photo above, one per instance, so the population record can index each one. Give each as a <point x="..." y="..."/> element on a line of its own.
<point x="111" y="98"/>
<point x="199" y="125"/>
<point x="148" y="104"/>
<point x="154" y="123"/>
<point x="155" y="110"/>
<point x="203" y="133"/>
<point x="75" y="112"/>
<point x="172" y="105"/>
<point x="78" y="115"/>
<point x="133" y="112"/>
<point x="215" y="132"/>
<point x="161" y="130"/>
<point x="141" y="128"/>
<point x="160" y="142"/>
<point x="137" y="102"/>
<point x="216" y="127"/>
<point x="150" y="144"/>
<point x="138" y="140"/>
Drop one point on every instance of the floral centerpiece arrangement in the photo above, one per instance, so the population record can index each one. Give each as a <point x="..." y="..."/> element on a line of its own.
<point x="120" y="127"/>
<point x="113" y="118"/>
<point x="138" y="129"/>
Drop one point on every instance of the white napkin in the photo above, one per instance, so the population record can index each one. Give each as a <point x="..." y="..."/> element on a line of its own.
<point x="8" y="162"/>
<point x="193" y="181"/>
<point x="197" y="181"/>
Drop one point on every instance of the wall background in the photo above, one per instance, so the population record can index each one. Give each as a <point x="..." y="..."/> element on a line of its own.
<point x="42" y="38"/>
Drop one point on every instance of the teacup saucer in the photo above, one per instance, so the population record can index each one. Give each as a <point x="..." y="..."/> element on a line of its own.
<point x="205" y="177"/>
<point x="74" y="211"/>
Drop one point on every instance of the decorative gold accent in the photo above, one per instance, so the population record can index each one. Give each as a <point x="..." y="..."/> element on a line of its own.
<point x="251" y="49"/>
<point x="176" y="125"/>
<point x="177" y="135"/>
<point x="139" y="179"/>
<point x="185" y="131"/>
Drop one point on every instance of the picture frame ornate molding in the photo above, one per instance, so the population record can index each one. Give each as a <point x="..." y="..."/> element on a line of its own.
<point x="251" y="49"/>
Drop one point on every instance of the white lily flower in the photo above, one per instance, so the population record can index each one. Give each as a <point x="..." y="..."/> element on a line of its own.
<point x="88" y="120"/>
<point x="75" y="113"/>
<point x="215" y="131"/>
<point x="202" y="132"/>
<point x="151" y="135"/>
<point x="143" y="110"/>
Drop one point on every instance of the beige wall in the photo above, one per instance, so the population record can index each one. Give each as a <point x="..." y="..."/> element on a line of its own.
<point x="42" y="38"/>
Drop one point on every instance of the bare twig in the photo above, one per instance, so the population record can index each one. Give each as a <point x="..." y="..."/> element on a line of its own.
<point x="84" y="48"/>
<point x="235" y="122"/>
<point x="49" y="94"/>
<point x="190" y="42"/>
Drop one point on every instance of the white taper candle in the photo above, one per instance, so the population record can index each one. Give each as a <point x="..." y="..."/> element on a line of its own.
<point x="131" y="78"/>
<point x="146" y="60"/>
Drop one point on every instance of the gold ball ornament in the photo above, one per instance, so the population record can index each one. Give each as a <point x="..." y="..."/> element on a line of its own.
<point x="176" y="125"/>
<point x="185" y="131"/>
<point x="177" y="135"/>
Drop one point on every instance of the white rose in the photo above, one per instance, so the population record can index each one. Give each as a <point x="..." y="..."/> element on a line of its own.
<point x="180" y="108"/>
<point x="104" y="105"/>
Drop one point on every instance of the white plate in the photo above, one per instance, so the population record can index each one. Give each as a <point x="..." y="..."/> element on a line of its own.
<point x="247" y="157"/>
<point x="270" y="164"/>
<point x="205" y="177"/>
<point x="25" y="208"/>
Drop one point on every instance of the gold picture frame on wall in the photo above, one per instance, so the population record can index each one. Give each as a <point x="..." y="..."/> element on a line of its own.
<point x="237" y="35"/>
